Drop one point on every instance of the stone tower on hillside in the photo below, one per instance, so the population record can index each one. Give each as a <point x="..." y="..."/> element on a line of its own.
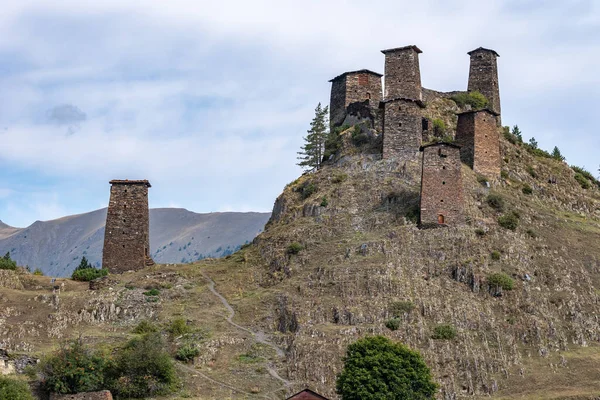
<point x="351" y="87"/>
<point x="127" y="236"/>
<point x="442" y="201"/>
<point x="402" y="127"/>
<point x="478" y="136"/>
<point x="483" y="77"/>
<point x="402" y="73"/>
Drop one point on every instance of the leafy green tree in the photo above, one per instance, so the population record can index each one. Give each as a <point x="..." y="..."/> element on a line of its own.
<point x="517" y="133"/>
<point x="311" y="153"/>
<point x="85" y="272"/>
<point x="12" y="389"/>
<point x="557" y="155"/>
<point x="7" y="263"/>
<point x="375" y="368"/>
<point x="533" y="143"/>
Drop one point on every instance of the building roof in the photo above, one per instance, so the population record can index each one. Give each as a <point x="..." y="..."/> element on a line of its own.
<point x="494" y="113"/>
<point x="483" y="49"/>
<point x="359" y="71"/>
<point x="317" y="395"/>
<point x="437" y="144"/>
<point x="130" y="182"/>
<point x="412" y="46"/>
<point x="419" y="102"/>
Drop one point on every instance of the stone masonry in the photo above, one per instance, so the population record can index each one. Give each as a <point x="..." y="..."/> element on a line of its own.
<point x="483" y="77"/>
<point x="402" y="73"/>
<point x="351" y="87"/>
<point x="441" y="186"/>
<point x="126" y="236"/>
<point x="402" y="127"/>
<point x="479" y="138"/>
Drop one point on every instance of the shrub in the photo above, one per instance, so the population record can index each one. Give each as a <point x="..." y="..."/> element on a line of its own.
<point x="12" y="389"/>
<point x="583" y="182"/>
<point x="444" y="332"/>
<point x="358" y="137"/>
<point x="483" y="181"/>
<point x="145" y="326"/>
<point x="532" y="234"/>
<point x="333" y="142"/>
<point x="88" y="274"/>
<point x="475" y="99"/>
<point x="179" y="327"/>
<point x="187" y="352"/>
<point x="501" y="280"/>
<point x="7" y="263"/>
<point x="504" y="174"/>
<point x="393" y="324"/>
<point x="413" y="214"/>
<point x="509" y="221"/>
<point x="480" y="232"/>
<point x="152" y="292"/>
<point x="307" y="190"/>
<point x="439" y="127"/>
<point x="586" y="174"/>
<point x="527" y="189"/>
<point x="74" y="368"/>
<point x="377" y="368"/>
<point x="399" y="308"/>
<point x="38" y="272"/>
<point x="324" y="201"/>
<point x="495" y="255"/>
<point x="143" y="368"/>
<point x="495" y="201"/>
<point x="531" y="171"/>
<point x="339" y="178"/>
<point x="295" y="248"/>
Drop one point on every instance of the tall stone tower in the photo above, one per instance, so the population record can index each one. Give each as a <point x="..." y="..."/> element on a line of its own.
<point x="402" y="73"/>
<point x="351" y="87"/>
<point x="442" y="201"/>
<point x="402" y="127"/>
<point x="478" y="136"/>
<point x="483" y="77"/>
<point x="127" y="236"/>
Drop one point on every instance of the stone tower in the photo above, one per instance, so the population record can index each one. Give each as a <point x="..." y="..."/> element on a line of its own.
<point x="478" y="136"/>
<point x="402" y="127"/>
<point x="483" y="77"/>
<point x="442" y="201"/>
<point x="351" y="87"/>
<point x="126" y="236"/>
<point x="402" y="73"/>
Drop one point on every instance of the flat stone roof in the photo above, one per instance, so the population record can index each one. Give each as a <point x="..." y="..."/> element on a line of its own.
<point x="419" y="102"/>
<point x="494" y="113"/>
<point x="358" y="71"/>
<point x="130" y="182"/>
<point x="438" y="144"/>
<point x="412" y="46"/>
<point x="483" y="49"/>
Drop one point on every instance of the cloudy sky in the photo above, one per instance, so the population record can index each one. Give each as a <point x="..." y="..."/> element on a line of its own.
<point x="209" y="100"/>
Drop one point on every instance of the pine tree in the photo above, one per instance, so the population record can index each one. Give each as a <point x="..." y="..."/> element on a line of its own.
<point x="557" y="155"/>
<point x="7" y="256"/>
<point x="517" y="132"/>
<point x="533" y="143"/>
<point x="311" y="154"/>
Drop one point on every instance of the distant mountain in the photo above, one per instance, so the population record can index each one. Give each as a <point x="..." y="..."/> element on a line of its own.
<point x="176" y="236"/>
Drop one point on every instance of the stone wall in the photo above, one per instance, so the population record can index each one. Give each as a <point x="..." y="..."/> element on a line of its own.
<point x="442" y="201"/>
<point x="102" y="395"/>
<point x="479" y="138"/>
<point x="483" y="77"/>
<point x="402" y="73"/>
<point x="430" y="94"/>
<point x="127" y="238"/>
<point x="352" y="87"/>
<point x="402" y="128"/>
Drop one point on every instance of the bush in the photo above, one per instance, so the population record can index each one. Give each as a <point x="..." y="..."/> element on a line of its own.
<point x="12" y="389"/>
<point x="480" y="232"/>
<point x="502" y="280"/>
<point x="38" y="272"/>
<point x="7" y="263"/>
<point x="509" y="221"/>
<point x="307" y="190"/>
<point x="495" y="201"/>
<point x="143" y="369"/>
<point x="295" y="248"/>
<point x="179" y="327"/>
<point x="399" y="308"/>
<point x="586" y="174"/>
<point x="584" y="183"/>
<point x="531" y="171"/>
<point x="333" y="142"/>
<point x="532" y="234"/>
<point x="504" y="174"/>
<point x="187" y="352"/>
<point x="377" y="368"/>
<point x="483" y="181"/>
<point x="439" y="127"/>
<point x="527" y="189"/>
<point x="339" y="178"/>
<point x="324" y="201"/>
<point x="152" y="292"/>
<point x="145" y="326"/>
<point x="495" y="255"/>
<point x="475" y="99"/>
<point x="86" y="272"/>
<point x="74" y="368"/>
<point x="444" y="332"/>
<point x="358" y="137"/>
<point x="393" y="324"/>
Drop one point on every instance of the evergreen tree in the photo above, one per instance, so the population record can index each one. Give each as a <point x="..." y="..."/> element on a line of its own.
<point x="7" y="256"/>
<point x="518" y="134"/>
<point x="533" y="143"/>
<point x="84" y="264"/>
<point x="557" y="155"/>
<point x="311" y="154"/>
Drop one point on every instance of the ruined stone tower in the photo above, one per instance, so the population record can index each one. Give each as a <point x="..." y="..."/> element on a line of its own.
<point x="402" y="127"/>
<point x="126" y="236"/>
<point x="351" y="87"/>
<point x="483" y="77"/>
<point x="442" y="201"/>
<point x="402" y="73"/>
<point x="478" y="136"/>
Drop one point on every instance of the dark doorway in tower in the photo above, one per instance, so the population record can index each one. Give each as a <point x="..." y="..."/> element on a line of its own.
<point x="440" y="219"/>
